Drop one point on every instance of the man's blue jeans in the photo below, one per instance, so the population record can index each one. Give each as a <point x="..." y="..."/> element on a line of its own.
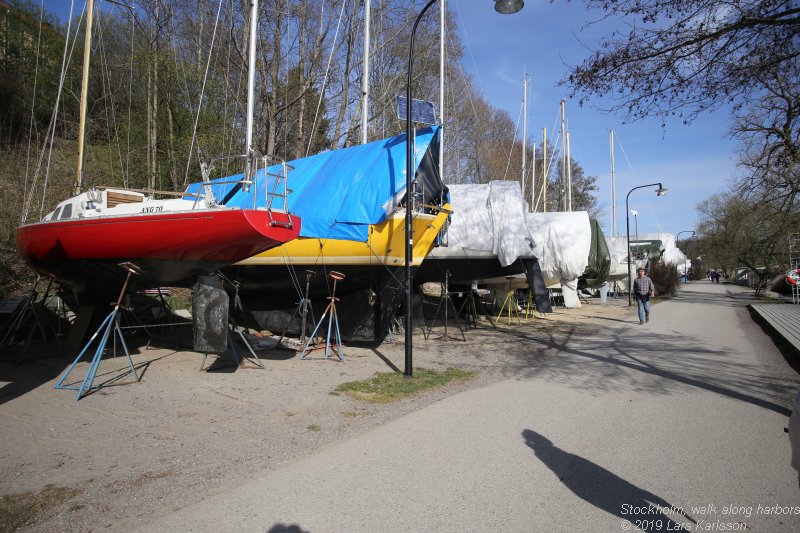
<point x="644" y="308"/>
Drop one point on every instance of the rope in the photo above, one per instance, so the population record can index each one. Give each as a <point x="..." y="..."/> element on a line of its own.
<point x="33" y="103"/>
<point x="111" y="120"/>
<point x="50" y="133"/>
<point x="202" y="92"/>
<point x="325" y="79"/>
<point x="630" y="166"/>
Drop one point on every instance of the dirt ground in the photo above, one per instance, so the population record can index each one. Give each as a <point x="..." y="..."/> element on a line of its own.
<point x="132" y="451"/>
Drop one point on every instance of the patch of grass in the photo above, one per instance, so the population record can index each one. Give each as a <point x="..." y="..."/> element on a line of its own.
<point x="314" y="427"/>
<point x="20" y="510"/>
<point x="350" y="414"/>
<point x="388" y="387"/>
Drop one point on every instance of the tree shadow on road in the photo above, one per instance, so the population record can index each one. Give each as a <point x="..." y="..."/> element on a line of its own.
<point x="658" y="362"/>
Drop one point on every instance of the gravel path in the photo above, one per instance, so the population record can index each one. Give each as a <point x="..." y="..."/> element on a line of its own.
<point x="568" y="419"/>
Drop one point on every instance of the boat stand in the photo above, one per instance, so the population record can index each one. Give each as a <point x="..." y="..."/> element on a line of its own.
<point x="470" y="307"/>
<point x="110" y="323"/>
<point x="445" y="300"/>
<point x="237" y="359"/>
<point x="28" y="315"/>
<point x="509" y="305"/>
<point x="333" y="323"/>
<point x="303" y="309"/>
<point x="530" y="308"/>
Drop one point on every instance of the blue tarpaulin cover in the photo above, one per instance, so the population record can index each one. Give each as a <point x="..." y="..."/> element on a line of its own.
<point x="337" y="194"/>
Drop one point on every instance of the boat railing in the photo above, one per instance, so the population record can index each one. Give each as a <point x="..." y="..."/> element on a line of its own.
<point x="276" y="188"/>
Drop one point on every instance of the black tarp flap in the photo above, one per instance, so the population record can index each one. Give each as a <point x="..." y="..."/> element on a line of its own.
<point x="541" y="296"/>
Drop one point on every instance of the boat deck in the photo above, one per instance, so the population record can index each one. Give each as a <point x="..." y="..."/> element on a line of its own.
<point x="782" y="319"/>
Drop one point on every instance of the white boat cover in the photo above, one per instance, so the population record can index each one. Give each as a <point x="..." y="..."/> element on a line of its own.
<point x="562" y="242"/>
<point x="617" y="248"/>
<point x="488" y="218"/>
<point x="670" y="253"/>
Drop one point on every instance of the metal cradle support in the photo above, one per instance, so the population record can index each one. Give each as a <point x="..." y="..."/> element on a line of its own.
<point x="470" y="309"/>
<point x="333" y="324"/>
<point x="111" y="323"/>
<point x="446" y="301"/>
<point x="509" y="305"/>
<point x="304" y="309"/>
<point x="237" y="358"/>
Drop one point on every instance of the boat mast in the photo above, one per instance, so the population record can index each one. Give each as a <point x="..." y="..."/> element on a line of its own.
<point x="613" y="191"/>
<point x="442" y="13"/>
<point x="365" y="75"/>
<point x="524" y="129"/>
<point x="563" y="157"/>
<point x="251" y="76"/>
<point x="533" y="177"/>
<point x="544" y="170"/>
<point x="569" y="174"/>
<point x="87" y="53"/>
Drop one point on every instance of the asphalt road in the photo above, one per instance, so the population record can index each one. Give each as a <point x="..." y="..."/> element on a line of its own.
<point x="676" y="425"/>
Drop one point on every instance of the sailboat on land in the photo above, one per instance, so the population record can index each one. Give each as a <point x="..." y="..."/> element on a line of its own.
<point x="83" y="240"/>
<point x="352" y="202"/>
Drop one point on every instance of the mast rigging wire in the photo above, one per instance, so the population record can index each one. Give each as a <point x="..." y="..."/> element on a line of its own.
<point x="202" y="93"/>
<point x="325" y="79"/>
<point x="33" y="103"/>
<point x="50" y="133"/>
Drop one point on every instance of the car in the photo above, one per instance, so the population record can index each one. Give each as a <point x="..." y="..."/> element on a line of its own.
<point x="794" y="435"/>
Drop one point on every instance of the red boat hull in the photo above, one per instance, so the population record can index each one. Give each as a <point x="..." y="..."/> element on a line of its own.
<point x="170" y="248"/>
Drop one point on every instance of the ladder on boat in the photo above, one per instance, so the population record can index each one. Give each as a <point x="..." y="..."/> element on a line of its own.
<point x="277" y="191"/>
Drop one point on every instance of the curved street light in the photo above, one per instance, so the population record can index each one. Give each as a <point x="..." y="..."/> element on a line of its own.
<point x="505" y="7"/>
<point x="660" y="191"/>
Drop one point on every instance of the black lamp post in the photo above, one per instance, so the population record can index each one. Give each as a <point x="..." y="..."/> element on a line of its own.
<point x="505" y="7"/>
<point x="677" y="240"/>
<point x="661" y="191"/>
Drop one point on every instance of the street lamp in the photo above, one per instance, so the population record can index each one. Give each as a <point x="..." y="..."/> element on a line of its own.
<point x="506" y="7"/>
<point x="660" y="191"/>
<point x="677" y="240"/>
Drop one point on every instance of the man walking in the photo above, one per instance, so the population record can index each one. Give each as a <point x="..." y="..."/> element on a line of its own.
<point x="643" y="290"/>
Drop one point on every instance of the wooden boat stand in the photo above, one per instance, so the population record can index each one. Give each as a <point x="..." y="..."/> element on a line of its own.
<point x="509" y="304"/>
<point x="110" y="323"/>
<point x="303" y="309"/>
<point x="446" y="301"/>
<point x="333" y="323"/>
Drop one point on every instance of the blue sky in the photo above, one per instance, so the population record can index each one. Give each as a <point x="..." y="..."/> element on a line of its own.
<point x="693" y="162"/>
